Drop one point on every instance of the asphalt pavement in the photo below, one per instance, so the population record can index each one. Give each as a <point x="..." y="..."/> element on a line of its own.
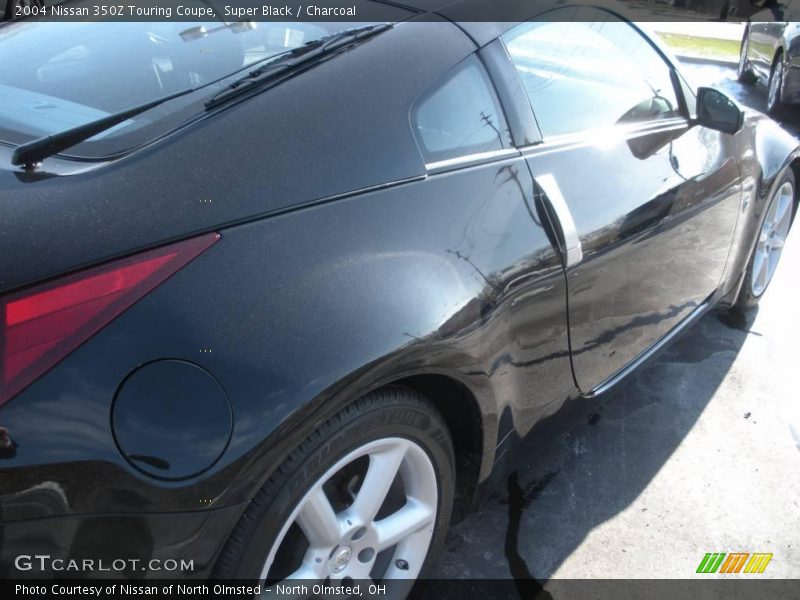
<point x="698" y="452"/>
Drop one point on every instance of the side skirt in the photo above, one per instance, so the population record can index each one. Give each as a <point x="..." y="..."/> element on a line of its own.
<point x="653" y="350"/>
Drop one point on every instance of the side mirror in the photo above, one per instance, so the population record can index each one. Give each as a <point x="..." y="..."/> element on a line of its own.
<point x="716" y="111"/>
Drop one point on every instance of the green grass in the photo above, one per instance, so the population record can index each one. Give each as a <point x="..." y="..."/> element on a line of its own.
<point x="688" y="45"/>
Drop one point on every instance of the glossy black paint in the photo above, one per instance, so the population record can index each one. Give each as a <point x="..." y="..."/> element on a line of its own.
<point x="438" y="260"/>
<point x="176" y="407"/>
<point x="190" y="537"/>
<point x="653" y="249"/>
<point x="344" y="265"/>
<point x="114" y="209"/>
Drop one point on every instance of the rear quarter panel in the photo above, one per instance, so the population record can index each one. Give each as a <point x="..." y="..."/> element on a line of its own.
<point x="300" y="314"/>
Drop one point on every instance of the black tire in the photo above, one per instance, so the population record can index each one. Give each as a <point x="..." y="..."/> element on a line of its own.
<point x="393" y="412"/>
<point x="776" y="107"/>
<point x="744" y="73"/>
<point x="746" y="300"/>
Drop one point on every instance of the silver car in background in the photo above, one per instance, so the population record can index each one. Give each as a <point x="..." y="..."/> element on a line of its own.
<point x="770" y="53"/>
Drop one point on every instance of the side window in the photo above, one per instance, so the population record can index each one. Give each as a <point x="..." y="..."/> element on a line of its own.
<point x="588" y="70"/>
<point x="460" y="116"/>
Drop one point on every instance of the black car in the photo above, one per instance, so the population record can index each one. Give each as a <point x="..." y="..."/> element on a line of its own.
<point x="276" y="297"/>
<point x="770" y="55"/>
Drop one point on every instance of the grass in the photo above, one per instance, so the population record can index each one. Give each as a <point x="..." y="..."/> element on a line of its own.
<point x="688" y="45"/>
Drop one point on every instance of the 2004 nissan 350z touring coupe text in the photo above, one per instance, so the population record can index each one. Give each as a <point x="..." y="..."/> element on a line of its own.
<point x="275" y="296"/>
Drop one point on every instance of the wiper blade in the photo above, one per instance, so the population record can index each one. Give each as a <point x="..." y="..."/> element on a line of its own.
<point x="32" y="153"/>
<point x="295" y="59"/>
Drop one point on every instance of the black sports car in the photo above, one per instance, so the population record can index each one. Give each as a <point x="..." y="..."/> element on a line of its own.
<point x="276" y="296"/>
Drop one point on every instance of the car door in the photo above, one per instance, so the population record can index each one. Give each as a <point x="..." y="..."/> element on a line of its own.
<point x="515" y="321"/>
<point x="646" y="205"/>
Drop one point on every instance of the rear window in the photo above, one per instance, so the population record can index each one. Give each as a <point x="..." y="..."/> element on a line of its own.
<point x="460" y="116"/>
<point x="67" y="74"/>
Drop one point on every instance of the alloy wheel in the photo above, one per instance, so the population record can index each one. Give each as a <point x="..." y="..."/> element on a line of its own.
<point x="772" y="238"/>
<point x="379" y="528"/>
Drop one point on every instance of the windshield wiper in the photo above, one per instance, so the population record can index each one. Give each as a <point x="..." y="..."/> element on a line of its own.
<point x="294" y="60"/>
<point x="32" y="153"/>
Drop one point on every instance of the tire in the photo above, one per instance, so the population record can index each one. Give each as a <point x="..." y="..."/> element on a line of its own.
<point x="744" y="73"/>
<point x="283" y="531"/>
<point x="753" y="286"/>
<point x="775" y="105"/>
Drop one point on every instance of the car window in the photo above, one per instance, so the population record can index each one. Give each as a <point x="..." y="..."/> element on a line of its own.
<point x="460" y="116"/>
<point x="66" y="74"/>
<point x="589" y="70"/>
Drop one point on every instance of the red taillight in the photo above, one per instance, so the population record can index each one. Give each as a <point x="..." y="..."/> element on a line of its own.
<point x="40" y="326"/>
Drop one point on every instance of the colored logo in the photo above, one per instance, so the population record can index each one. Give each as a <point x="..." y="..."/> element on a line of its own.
<point x="734" y="562"/>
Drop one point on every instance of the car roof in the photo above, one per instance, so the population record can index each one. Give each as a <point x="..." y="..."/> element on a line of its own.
<point x="486" y="20"/>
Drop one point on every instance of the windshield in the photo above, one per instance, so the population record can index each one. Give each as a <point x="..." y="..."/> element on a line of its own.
<point x="67" y="74"/>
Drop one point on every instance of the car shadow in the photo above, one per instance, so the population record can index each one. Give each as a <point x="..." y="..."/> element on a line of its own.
<point x="588" y="463"/>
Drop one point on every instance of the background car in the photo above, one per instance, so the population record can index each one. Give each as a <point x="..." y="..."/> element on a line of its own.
<point x="770" y="54"/>
<point x="282" y="312"/>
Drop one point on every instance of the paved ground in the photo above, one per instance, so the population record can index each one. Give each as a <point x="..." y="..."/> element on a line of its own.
<point x="700" y="452"/>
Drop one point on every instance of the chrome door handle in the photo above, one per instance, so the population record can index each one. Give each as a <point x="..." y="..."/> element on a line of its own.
<point x="573" y="251"/>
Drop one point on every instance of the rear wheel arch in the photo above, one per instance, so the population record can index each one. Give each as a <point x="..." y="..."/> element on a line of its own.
<point x="390" y="415"/>
<point x="464" y="411"/>
<point x="461" y="412"/>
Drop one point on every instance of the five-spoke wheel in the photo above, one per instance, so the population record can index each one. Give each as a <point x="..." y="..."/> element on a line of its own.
<point x="776" y="220"/>
<point x="772" y="237"/>
<point x="383" y="533"/>
<point x="366" y="498"/>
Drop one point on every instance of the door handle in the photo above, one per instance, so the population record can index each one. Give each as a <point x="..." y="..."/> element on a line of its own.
<point x="572" y="250"/>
